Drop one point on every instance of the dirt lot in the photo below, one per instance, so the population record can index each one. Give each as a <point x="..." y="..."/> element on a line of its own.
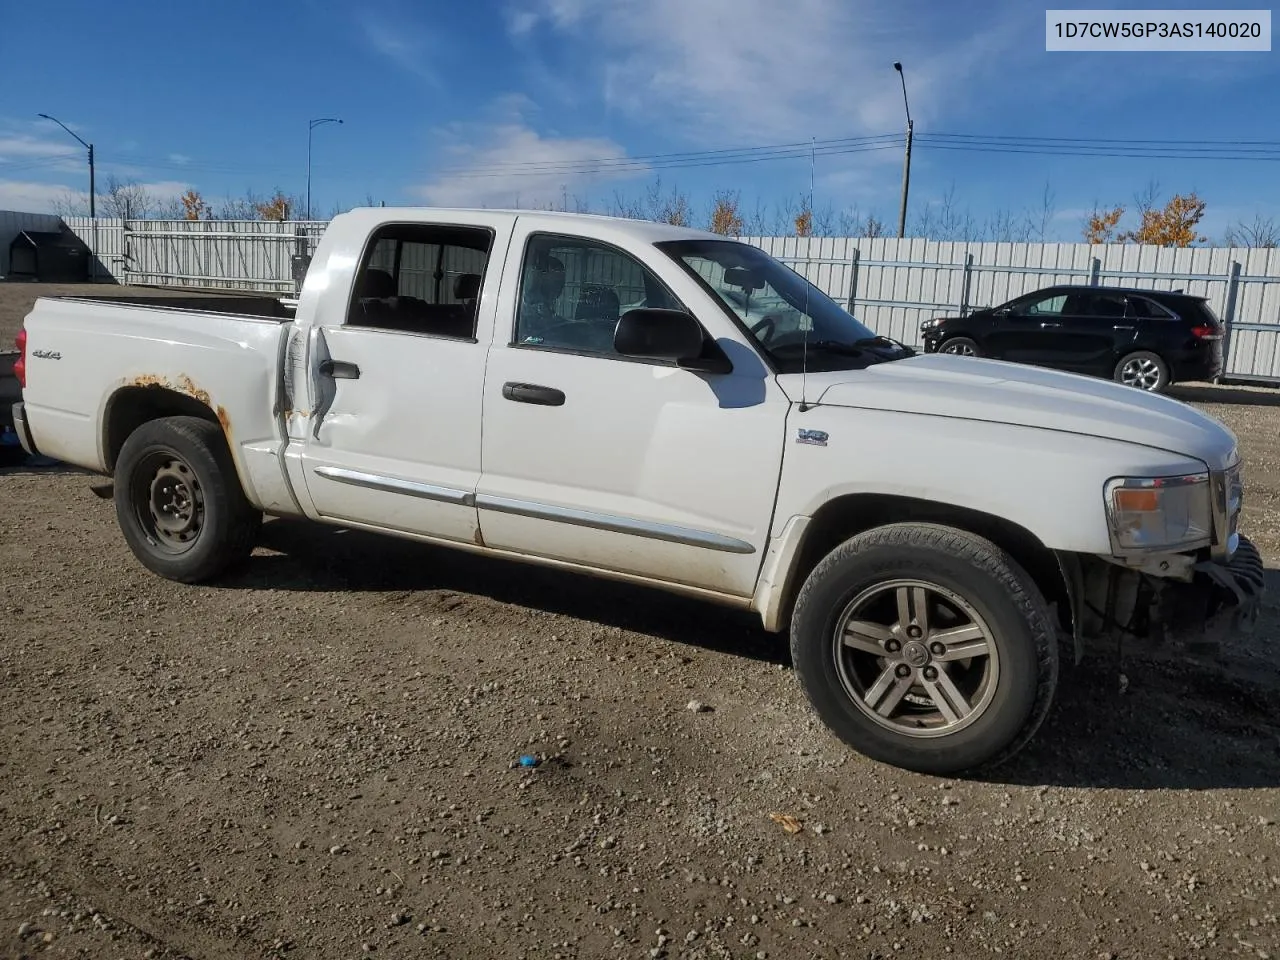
<point x="318" y="759"/>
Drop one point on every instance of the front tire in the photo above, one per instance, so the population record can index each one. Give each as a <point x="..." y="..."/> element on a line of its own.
<point x="179" y="502"/>
<point x="925" y="647"/>
<point x="1144" y="370"/>
<point x="960" y="346"/>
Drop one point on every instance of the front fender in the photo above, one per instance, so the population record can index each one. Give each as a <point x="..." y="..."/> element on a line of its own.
<point x="1048" y="482"/>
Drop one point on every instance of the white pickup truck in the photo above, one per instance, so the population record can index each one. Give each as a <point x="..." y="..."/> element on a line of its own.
<point x="672" y="408"/>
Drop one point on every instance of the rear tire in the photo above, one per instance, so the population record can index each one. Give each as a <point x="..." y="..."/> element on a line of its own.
<point x="1144" y="370"/>
<point x="925" y="647"/>
<point x="960" y="346"/>
<point x="179" y="502"/>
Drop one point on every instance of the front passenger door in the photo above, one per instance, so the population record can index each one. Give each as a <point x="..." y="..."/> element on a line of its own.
<point x="1025" y="333"/>
<point x="613" y="463"/>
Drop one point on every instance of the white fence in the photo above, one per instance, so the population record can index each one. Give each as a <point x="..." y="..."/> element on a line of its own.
<point x="890" y="284"/>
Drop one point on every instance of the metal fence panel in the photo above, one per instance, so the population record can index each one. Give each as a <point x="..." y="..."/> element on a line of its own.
<point x="889" y="284"/>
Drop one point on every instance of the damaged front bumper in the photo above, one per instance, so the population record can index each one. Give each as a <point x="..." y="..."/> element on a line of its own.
<point x="1223" y="597"/>
<point x="1191" y="609"/>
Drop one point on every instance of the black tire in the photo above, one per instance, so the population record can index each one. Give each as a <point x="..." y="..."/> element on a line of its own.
<point x="1140" y="368"/>
<point x="962" y="346"/>
<point x="991" y="582"/>
<point x="184" y="460"/>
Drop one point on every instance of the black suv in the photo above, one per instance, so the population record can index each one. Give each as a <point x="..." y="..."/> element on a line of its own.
<point x="1144" y="338"/>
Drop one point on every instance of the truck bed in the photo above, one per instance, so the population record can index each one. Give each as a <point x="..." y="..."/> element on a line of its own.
<point x="96" y="363"/>
<point x="263" y="307"/>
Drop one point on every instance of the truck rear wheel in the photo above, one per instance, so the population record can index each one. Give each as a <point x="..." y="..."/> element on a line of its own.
<point x="179" y="502"/>
<point x="925" y="647"/>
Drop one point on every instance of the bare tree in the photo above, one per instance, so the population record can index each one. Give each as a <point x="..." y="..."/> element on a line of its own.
<point x="71" y="204"/>
<point x="757" y="222"/>
<point x="126" y="198"/>
<point x="1039" y="220"/>
<point x="238" y="208"/>
<point x="1262" y="232"/>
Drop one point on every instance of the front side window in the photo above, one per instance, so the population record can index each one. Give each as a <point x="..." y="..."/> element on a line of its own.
<point x="574" y="290"/>
<point x="1040" y="306"/>
<point x="422" y="278"/>
<point x="788" y="316"/>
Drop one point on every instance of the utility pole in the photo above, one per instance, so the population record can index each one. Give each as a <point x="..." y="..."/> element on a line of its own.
<point x="88" y="146"/>
<point x="313" y="124"/>
<point x="906" y="163"/>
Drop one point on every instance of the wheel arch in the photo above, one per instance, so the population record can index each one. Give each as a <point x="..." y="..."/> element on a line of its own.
<point x="843" y="517"/>
<point x="130" y="407"/>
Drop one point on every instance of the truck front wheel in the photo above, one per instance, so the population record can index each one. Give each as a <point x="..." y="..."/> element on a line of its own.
<point x="925" y="647"/>
<point x="179" y="502"/>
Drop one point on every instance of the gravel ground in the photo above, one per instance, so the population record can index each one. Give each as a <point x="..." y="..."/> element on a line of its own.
<point x="319" y="758"/>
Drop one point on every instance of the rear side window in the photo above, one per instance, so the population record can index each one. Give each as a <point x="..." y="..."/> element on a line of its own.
<point x="1109" y="305"/>
<point x="422" y="278"/>
<point x="1149" y="309"/>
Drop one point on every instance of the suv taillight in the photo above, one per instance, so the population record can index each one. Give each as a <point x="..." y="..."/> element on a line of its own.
<point x="20" y="365"/>
<point x="1206" y="333"/>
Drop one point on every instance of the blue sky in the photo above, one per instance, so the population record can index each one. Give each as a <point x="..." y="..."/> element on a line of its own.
<point x="217" y="96"/>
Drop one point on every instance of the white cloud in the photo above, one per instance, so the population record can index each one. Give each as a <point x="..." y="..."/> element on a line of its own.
<point x="503" y="146"/>
<point x="759" y="71"/>
<point x="179" y="158"/>
<point x="20" y="146"/>
<point x="27" y="197"/>
<point x="399" y="43"/>
<point x="33" y="197"/>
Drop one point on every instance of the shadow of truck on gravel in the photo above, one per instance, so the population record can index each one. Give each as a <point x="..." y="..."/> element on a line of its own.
<point x="1178" y="725"/>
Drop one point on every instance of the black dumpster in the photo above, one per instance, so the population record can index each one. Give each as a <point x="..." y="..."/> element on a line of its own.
<point x="48" y="257"/>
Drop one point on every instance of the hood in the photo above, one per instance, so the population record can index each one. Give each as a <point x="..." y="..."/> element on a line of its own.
<point x="1000" y="392"/>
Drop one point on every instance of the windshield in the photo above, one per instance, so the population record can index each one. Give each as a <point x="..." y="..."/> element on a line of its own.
<point x="784" y="312"/>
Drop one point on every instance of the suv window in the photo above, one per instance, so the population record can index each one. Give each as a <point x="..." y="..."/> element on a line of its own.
<point x="1040" y="306"/>
<point x="1109" y="305"/>
<point x="573" y="290"/>
<point x="422" y="278"/>
<point x="1142" y="307"/>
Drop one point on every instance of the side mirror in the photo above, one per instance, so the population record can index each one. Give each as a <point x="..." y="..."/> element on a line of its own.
<point x="652" y="334"/>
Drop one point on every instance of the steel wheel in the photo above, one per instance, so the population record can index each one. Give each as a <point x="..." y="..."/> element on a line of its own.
<point x="960" y="347"/>
<point x="170" y="502"/>
<point x="1141" y="372"/>
<point x="916" y="658"/>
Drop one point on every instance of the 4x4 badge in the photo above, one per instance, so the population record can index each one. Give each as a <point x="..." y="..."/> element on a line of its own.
<point x="817" y="438"/>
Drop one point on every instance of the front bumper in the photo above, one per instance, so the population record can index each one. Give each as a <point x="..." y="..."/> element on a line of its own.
<point x="1223" y="597"/>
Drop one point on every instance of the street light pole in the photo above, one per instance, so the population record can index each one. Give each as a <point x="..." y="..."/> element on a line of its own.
<point x="906" y="163"/>
<point x="88" y="146"/>
<point x="313" y="124"/>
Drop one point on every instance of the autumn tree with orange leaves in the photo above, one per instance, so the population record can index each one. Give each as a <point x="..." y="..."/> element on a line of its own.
<point x="1101" y="225"/>
<point x="274" y="208"/>
<point x="194" y="207"/>
<point x="1173" y="225"/>
<point x="725" y="218"/>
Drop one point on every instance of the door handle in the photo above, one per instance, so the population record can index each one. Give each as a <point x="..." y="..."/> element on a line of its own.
<point x="1046" y="325"/>
<point x="533" y="393"/>
<point x="339" y="369"/>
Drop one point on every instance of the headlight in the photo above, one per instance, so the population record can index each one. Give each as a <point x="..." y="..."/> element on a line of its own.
<point x="1149" y="513"/>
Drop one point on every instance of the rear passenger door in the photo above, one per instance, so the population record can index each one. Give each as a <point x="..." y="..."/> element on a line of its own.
<point x="1081" y="338"/>
<point x="393" y="440"/>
